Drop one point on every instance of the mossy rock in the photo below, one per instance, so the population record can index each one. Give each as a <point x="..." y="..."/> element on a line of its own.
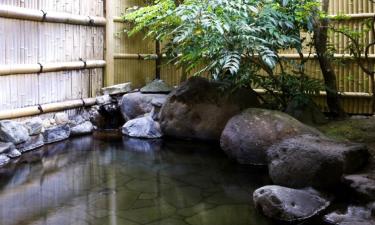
<point x="157" y="86"/>
<point x="359" y="130"/>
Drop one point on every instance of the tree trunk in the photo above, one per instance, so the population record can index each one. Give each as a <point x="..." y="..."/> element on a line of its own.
<point x="320" y="43"/>
<point x="158" y="61"/>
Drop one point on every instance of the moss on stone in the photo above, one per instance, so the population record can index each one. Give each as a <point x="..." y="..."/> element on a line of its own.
<point x="358" y="130"/>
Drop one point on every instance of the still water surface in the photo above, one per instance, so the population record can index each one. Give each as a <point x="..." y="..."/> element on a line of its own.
<point x="86" y="181"/>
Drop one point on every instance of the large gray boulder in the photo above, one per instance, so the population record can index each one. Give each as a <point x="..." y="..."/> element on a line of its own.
<point x="134" y="105"/>
<point x="248" y="135"/>
<point x="56" y="133"/>
<point x="286" y="204"/>
<point x="144" y="127"/>
<point x="308" y="160"/>
<point x="11" y="131"/>
<point x="34" y="142"/>
<point x="199" y="109"/>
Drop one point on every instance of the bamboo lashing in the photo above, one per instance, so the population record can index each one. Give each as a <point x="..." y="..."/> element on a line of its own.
<point x="47" y="16"/>
<point x="49" y="67"/>
<point x="46" y="108"/>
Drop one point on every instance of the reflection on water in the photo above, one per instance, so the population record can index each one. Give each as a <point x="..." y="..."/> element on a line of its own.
<point x="91" y="182"/>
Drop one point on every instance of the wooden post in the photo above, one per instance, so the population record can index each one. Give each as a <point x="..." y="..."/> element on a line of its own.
<point x="109" y="77"/>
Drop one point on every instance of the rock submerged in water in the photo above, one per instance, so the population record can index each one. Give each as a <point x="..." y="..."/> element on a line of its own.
<point x="199" y="109"/>
<point x="11" y="131"/>
<point x="248" y="135"/>
<point x="144" y="127"/>
<point x="134" y="105"/>
<point x="57" y="133"/>
<point x="142" y="145"/>
<point x="307" y="160"/>
<point x="286" y="204"/>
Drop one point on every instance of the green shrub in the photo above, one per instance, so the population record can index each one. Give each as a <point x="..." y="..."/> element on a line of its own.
<point x="235" y="40"/>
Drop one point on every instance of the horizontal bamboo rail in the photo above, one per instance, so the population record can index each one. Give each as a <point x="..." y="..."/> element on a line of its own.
<point x="52" y="17"/>
<point x="46" y="108"/>
<point x="352" y="16"/>
<point x="323" y="93"/>
<point x="287" y="56"/>
<point x="49" y="67"/>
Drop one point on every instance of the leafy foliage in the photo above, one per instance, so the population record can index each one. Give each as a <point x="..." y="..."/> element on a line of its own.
<point x="294" y="88"/>
<point x="232" y="40"/>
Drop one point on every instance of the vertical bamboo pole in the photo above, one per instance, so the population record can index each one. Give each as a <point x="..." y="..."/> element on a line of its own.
<point x="109" y="44"/>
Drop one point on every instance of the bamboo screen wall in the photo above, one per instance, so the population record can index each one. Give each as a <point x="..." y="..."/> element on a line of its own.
<point x="92" y="31"/>
<point x="127" y="65"/>
<point x="61" y="47"/>
<point x="350" y="78"/>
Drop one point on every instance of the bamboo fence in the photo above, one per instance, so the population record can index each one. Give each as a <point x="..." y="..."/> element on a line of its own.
<point x="51" y="54"/>
<point x="355" y="86"/>
<point x="61" y="50"/>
